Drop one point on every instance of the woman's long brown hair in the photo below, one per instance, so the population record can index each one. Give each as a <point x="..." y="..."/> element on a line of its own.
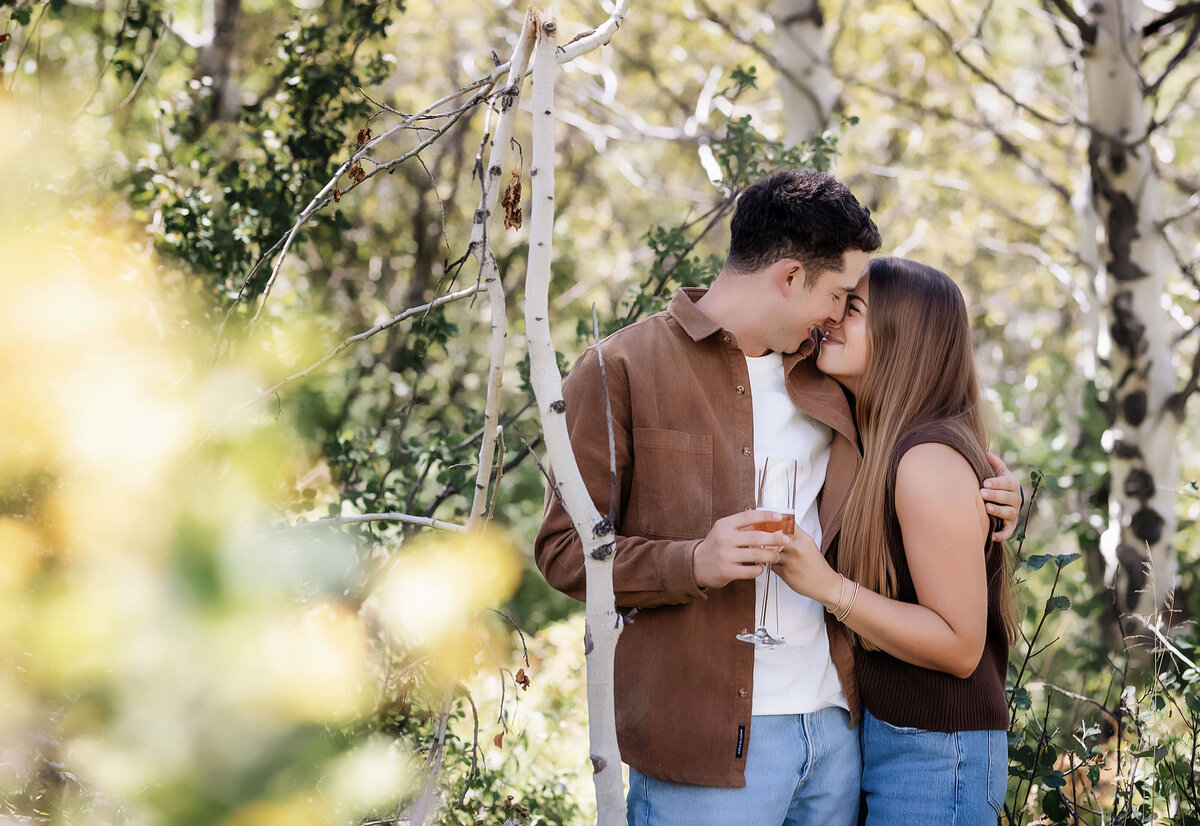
<point x="921" y="372"/>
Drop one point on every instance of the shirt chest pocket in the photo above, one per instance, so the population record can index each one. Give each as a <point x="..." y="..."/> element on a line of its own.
<point x="672" y="483"/>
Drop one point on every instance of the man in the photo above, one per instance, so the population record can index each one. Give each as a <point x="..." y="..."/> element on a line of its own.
<point x="715" y="730"/>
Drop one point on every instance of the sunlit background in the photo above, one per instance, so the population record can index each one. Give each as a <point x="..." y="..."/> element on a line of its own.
<point x="184" y="641"/>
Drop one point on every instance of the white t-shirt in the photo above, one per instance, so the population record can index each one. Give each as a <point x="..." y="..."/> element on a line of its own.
<point x="800" y="677"/>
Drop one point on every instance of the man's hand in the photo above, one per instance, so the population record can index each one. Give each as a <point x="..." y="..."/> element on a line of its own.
<point x="1002" y="497"/>
<point x="732" y="551"/>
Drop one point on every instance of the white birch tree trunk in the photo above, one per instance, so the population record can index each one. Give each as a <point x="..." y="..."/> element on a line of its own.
<point x="806" y="84"/>
<point x="1144" y="460"/>
<point x="596" y="532"/>
<point x="498" y="156"/>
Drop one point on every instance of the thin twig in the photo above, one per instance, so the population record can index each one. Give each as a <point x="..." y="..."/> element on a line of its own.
<point x="355" y="339"/>
<point x="423" y="521"/>
<point x="158" y="39"/>
<point x="615" y="486"/>
<point x="1087" y="31"/>
<point x="982" y="75"/>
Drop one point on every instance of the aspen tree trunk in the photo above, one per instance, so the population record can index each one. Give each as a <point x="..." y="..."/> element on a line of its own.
<point x="219" y="57"/>
<point x="806" y="84"/>
<point x="1144" y="461"/>
<point x="596" y="531"/>
<point x="499" y="151"/>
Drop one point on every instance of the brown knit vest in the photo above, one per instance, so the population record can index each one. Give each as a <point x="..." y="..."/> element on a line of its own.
<point x="908" y="695"/>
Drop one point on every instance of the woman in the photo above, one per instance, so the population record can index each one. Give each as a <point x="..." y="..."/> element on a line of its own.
<point x="921" y="585"/>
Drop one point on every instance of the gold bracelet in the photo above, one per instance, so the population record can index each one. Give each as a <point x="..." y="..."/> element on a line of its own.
<point x="837" y="606"/>
<point x="846" y="613"/>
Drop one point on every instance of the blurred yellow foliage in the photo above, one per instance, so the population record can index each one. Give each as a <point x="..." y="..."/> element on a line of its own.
<point x="432" y="595"/>
<point x="166" y="646"/>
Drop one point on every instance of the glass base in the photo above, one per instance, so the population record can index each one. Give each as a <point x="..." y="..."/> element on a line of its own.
<point x="761" y="638"/>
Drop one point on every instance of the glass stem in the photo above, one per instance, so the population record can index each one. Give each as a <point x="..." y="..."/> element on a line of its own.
<point x="762" y="623"/>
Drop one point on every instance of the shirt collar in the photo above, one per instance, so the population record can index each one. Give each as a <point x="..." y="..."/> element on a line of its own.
<point x="690" y="317"/>
<point x="699" y="326"/>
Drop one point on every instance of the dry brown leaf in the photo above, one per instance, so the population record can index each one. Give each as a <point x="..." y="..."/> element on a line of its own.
<point x="512" y="202"/>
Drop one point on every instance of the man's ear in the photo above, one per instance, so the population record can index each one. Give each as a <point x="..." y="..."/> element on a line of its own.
<point x="791" y="272"/>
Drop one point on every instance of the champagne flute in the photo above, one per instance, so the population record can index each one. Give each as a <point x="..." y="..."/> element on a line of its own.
<point x="776" y="492"/>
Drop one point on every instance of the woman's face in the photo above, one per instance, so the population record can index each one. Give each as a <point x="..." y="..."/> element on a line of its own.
<point x="845" y="349"/>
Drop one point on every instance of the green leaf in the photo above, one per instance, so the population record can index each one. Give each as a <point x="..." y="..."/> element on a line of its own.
<point x="1052" y="780"/>
<point x="1054" y="807"/>
<point x="1021" y="698"/>
<point x="1036" y="562"/>
<point x="1057" y="602"/>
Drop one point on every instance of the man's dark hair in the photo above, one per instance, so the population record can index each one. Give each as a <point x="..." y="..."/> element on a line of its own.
<point x="801" y="214"/>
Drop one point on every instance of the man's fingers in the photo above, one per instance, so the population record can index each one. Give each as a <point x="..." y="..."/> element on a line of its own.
<point x="754" y="556"/>
<point x="1000" y="496"/>
<point x="746" y="539"/>
<point x="747" y="571"/>
<point x="746" y="518"/>
<point x="997" y="464"/>
<point x="1004" y="512"/>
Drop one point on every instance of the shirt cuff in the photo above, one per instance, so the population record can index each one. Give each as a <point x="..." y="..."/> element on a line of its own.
<point x="679" y="573"/>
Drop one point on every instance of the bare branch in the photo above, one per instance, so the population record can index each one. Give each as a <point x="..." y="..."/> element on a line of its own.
<point x="325" y="196"/>
<point x="1007" y="142"/>
<point x="614" y="490"/>
<point x="490" y="180"/>
<point x="137" y="86"/>
<point x="427" y="803"/>
<point x="1178" y="13"/>
<point x="1177" y="402"/>
<point x="594" y="39"/>
<point x="1177" y="58"/>
<point x="422" y="521"/>
<point x="956" y="50"/>
<point x="355" y="339"/>
<point x="601" y="36"/>
<point x="1087" y="31"/>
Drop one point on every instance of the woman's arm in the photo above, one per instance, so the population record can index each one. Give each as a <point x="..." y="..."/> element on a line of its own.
<point x="944" y="527"/>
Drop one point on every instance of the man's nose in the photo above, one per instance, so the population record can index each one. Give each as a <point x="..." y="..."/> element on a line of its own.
<point x="835" y="318"/>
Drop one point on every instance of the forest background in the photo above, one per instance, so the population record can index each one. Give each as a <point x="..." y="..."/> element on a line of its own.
<point x="234" y="482"/>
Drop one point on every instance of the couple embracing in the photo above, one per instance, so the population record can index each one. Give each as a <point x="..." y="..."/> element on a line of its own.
<point x="891" y="596"/>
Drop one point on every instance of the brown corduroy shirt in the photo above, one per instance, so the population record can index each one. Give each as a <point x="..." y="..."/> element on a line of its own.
<point x="684" y="435"/>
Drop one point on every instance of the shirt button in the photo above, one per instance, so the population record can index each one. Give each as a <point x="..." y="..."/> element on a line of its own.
<point x="743" y="692"/>
<point x="725" y="339"/>
<point x="746" y="451"/>
<point x="745" y="630"/>
<point x="740" y="389"/>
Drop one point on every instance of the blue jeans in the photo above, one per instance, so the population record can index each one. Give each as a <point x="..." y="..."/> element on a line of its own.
<point x="914" y="777"/>
<point x="800" y="769"/>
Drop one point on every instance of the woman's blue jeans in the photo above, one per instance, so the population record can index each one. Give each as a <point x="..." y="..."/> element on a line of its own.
<point x="914" y="777"/>
<point x="800" y="769"/>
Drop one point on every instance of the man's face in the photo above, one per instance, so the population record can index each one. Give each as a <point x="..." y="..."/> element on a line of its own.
<point x="824" y="303"/>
